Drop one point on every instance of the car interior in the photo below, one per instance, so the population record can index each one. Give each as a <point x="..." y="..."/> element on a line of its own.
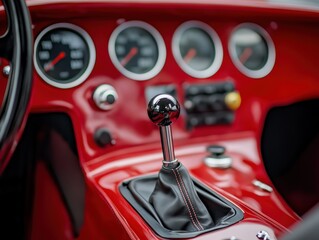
<point x="157" y="119"/>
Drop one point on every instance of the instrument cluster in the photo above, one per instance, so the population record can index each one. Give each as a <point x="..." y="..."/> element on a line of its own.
<point x="65" y="54"/>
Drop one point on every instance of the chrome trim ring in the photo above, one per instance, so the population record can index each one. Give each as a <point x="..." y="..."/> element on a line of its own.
<point x="266" y="69"/>
<point x="100" y="96"/>
<point x="213" y="68"/>
<point x="159" y="42"/>
<point x="92" y="55"/>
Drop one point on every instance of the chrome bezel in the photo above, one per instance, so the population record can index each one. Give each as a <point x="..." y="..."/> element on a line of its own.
<point x="92" y="55"/>
<point x="98" y="94"/>
<point x="213" y="68"/>
<point x="266" y="69"/>
<point x="160" y="45"/>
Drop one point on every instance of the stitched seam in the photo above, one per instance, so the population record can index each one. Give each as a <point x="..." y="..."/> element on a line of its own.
<point x="185" y="201"/>
<point x="188" y="209"/>
<point x="192" y="207"/>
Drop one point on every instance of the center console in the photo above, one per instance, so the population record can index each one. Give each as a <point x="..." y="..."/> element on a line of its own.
<point x="212" y="190"/>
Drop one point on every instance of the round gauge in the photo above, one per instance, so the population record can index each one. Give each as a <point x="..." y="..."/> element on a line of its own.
<point x="137" y="50"/>
<point x="197" y="49"/>
<point x="64" y="55"/>
<point x="252" y="50"/>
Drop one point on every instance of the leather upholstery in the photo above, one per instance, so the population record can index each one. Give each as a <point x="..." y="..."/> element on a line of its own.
<point x="176" y="202"/>
<point x="160" y="202"/>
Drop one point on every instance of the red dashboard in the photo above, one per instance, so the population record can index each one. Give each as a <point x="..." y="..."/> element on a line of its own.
<point x="136" y="150"/>
<point x="289" y="80"/>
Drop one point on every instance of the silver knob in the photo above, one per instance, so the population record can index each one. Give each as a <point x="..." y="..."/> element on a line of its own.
<point x="105" y="96"/>
<point x="6" y="70"/>
<point x="163" y="109"/>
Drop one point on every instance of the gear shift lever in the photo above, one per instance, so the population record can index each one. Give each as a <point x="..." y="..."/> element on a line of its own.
<point x="174" y="198"/>
<point x="171" y="202"/>
<point x="163" y="109"/>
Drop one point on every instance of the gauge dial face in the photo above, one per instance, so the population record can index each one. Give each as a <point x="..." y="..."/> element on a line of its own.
<point x="252" y="50"/>
<point x="197" y="49"/>
<point x="137" y="50"/>
<point x="64" y="55"/>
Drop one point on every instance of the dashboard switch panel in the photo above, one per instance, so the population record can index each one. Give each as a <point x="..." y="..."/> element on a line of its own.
<point x="208" y="104"/>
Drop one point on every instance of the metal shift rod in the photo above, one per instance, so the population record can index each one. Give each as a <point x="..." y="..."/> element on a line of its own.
<point x="163" y="109"/>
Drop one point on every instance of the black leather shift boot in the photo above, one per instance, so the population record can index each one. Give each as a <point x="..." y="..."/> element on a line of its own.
<point x="159" y="201"/>
<point x="176" y="202"/>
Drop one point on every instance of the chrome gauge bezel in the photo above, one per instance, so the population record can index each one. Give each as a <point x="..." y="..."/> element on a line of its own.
<point x="159" y="42"/>
<point x="266" y="69"/>
<point x="92" y="55"/>
<point x="213" y="68"/>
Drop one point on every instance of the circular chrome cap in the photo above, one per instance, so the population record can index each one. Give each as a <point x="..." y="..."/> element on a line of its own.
<point x="163" y="109"/>
<point x="105" y="96"/>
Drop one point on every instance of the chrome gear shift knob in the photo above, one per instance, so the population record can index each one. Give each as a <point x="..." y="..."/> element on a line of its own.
<point x="163" y="109"/>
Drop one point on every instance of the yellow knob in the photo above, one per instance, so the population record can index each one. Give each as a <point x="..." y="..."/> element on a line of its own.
<point x="233" y="100"/>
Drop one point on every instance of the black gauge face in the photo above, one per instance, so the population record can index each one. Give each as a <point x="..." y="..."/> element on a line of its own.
<point x="137" y="50"/>
<point x="197" y="48"/>
<point x="62" y="55"/>
<point x="251" y="49"/>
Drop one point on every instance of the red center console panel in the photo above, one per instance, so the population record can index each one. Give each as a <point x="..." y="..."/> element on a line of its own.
<point x="237" y="184"/>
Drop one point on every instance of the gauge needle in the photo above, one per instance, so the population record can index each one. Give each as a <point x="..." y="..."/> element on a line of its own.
<point x="51" y="64"/>
<point x="129" y="56"/>
<point x="190" y="55"/>
<point x="245" y="54"/>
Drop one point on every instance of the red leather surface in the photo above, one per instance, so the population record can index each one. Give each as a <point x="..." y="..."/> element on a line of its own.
<point x="294" y="77"/>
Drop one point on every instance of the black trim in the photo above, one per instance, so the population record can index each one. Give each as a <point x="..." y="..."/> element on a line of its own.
<point x="17" y="187"/>
<point x="287" y="132"/>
